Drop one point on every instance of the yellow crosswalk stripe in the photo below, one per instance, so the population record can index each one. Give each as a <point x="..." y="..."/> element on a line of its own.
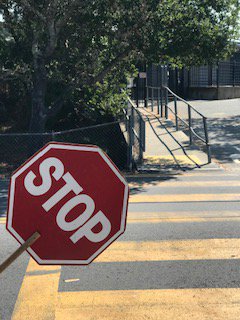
<point x="172" y="250"/>
<point x="158" y="217"/>
<point x="182" y="216"/>
<point x="2" y="220"/>
<point x="38" y="293"/>
<point x="39" y="296"/>
<point x="165" y="160"/>
<point x="174" y="304"/>
<point x="183" y="220"/>
<point x="184" y="197"/>
<point x="174" y="184"/>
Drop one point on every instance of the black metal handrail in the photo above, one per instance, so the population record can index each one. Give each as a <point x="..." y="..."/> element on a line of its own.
<point x="163" y="108"/>
<point x="189" y="123"/>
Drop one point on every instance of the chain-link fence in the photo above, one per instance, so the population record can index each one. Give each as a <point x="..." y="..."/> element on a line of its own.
<point x="17" y="148"/>
<point x="134" y="131"/>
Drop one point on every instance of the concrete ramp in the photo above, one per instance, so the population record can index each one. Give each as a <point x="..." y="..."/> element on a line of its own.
<point x="168" y="149"/>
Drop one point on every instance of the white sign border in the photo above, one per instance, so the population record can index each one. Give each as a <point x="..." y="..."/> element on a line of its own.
<point x="53" y="145"/>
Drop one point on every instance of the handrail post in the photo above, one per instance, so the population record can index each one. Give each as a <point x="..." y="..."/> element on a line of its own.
<point x="190" y="124"/>
<point x="176" y="112"/>
<point x="143" y="135"/>
<point x="166" y="103"/>
<point x="142" y="139"/>
<point x="207" y="139"/>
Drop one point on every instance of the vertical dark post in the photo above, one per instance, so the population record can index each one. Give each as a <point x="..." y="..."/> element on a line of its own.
<point x="218" y="75"/>
<point x="147" y="91"/>
<point x="145" y="86"/>
<point x="166" y="103"/>
<point x="144" y="135"/>
<point x="161" y="101"/>
<point x="142" y="138"/>
<point x="234" y="73"/>
<point x="152" y="99"/>
<point x="147" y="97"/>
<point x="189" y="79"/>
<point x="190" y="124"/>
<point x="158" y="100"/>
<point x="176" y="80"/>
<point x="207" y="139"/>
<point x="137" y="91"/>
<point x="131" y="136"/>
<point x="176" y="112"/>
<point x="210" y="75"/>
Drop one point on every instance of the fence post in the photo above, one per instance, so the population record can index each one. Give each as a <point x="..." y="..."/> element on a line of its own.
<point x="207" y="139"/>
<point x="141" y="139"/>
<point x="130" y="146"/>
<point x="158" y="100"/>
<point x="190" y="124"/>
<point x="161" y="100"/>
<point x="189" y="79"/>
<point x="147" y="97"/>
<point x="166" y="103"/>
<point x="210" y="76"/>
<point x="176" y="112"/>
<point x="218" y="80"/>
<point x="145" y="86"/>
<point x="234" y="73"/>
<point x="137" y="91"/>
<point x="152" y="99"/>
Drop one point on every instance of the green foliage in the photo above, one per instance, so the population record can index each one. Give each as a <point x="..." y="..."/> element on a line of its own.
<point x="80" y="53"/>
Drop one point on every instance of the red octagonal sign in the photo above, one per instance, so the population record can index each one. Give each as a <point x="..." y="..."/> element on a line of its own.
<point x="74" y="197"/>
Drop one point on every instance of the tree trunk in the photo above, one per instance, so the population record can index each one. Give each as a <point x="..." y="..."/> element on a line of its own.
<point x="39" y="112"/>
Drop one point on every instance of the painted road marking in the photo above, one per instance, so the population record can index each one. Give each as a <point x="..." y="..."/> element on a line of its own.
<point x="178" y="304"/>
<point x="39" y="297"/>
<point x="184" y="197"/>
<point x="158" y="217"/>
<point x="38" y="293"/>
<point x="182" y="220"/>
<point x="166" y="160"/>
<point x="178" y="183"/>
<point x="179" y="215"/>
<point x="3" y="220"/>
<point x="171" y="250"/>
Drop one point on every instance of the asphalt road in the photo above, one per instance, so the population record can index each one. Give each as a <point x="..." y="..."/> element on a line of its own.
<point x="178" y="259"/>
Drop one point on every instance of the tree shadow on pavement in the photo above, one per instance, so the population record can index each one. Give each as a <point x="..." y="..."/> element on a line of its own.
<point x="224" y="137"/>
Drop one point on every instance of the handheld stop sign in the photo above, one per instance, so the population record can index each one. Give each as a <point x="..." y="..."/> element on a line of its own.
<point x="68" y="202"/>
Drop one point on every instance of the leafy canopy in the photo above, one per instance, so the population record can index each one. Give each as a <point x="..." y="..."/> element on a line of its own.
<point x="81" y="51"/>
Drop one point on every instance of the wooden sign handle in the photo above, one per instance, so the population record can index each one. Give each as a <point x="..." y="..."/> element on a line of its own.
<point x="19" y="251"/>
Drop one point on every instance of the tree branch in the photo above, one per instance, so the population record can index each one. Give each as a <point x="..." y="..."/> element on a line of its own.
<point x="111" y="64"/>
<point x="26" y="5"/>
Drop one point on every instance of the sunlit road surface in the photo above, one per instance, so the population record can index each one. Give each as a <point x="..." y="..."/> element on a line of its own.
<point x="179" y="259"/>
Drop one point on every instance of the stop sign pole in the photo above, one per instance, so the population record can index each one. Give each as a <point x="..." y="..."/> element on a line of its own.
<point x="19" y="251"/>
<point x="66" y="205"/>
